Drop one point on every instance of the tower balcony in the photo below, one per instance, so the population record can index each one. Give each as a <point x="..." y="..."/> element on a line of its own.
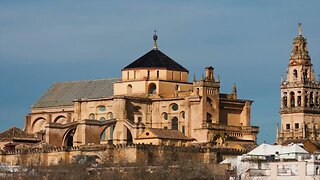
<point x="300" y="109"/>
<point x="299" y="84"/>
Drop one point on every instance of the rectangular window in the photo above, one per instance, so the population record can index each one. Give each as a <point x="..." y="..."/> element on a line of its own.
<point x="183" y="130"/>
<point x="296" y="125"/>
<point x="148" y="75"/>
<point x="287" y="126"/>
<point x="134" y="74"/>
<point x="172" y="75"/>
<point x="165" y="127"/>
<point x="127" y="74"/>
<point x="158" y="74"/>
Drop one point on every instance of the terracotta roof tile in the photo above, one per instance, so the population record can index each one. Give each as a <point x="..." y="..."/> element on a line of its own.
<point x="14" y="133"/>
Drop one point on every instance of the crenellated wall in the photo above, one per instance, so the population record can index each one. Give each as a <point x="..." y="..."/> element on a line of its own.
<point x="113" y="154"/>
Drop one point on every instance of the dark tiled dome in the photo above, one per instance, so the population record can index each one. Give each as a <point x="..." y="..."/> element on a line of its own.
<point x="156" y="59"/>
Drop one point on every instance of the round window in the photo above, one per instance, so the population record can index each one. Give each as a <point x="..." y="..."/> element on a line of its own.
<point x="175" y="107"/>
<point x="147" y="133"/>
<point x="102" y="108"/>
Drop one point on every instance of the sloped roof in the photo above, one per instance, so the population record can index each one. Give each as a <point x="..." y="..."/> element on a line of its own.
<point x="156" y="59"/>
<point x="164" y="134"/>
<point x="14" y="133"/>
<point x="267" y="149"/>
<point x="64" y="93"/>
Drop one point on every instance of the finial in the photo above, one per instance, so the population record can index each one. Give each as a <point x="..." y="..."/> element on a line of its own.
<point x="194" y="78"/>
<point x="299" y="29"/>
<point x="155" y="37"/>
<point x="234" y="89"/>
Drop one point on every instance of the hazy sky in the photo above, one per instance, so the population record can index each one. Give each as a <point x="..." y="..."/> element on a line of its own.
<point x="247" y="42"/>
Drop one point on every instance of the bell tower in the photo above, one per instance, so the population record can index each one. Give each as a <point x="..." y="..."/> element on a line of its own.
<point x="300" y="112"/>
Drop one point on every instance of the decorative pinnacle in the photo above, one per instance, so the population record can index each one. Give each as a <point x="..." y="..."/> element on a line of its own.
<point x="299" y="29"/>
<point x="155" y="37"/>
<point x="234" y="89"/>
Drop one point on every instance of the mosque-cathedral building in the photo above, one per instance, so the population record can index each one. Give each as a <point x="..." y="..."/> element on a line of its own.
<point x="152" y="103"/>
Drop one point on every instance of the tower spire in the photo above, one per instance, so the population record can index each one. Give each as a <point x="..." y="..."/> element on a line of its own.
<point x="300" y="29"/>
<point x="234" y="91"/>
<point x="155" y="37"/>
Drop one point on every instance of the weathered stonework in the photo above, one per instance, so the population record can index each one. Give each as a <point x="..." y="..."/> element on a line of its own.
<point x="300" y="110"/>
<point x="81" y="117"/>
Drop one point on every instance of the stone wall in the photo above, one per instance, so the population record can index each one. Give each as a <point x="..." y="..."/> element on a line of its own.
<point x="115" y="154"/>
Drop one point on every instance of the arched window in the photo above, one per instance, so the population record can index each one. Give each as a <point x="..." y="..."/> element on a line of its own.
<point x="209" y="118"/>
<point x="165" y="116"/>
<point x="39" y="125"/>
<point x="292" y="99"/>
<point x="305" y="75"/>
<point x="177" y="87"/>
<point x="61" y="120"/>
<point x="102" y="119"/>
<point x="152" y="88"/>
<point x="183" y="115"/>
<point x="306" y="99"/>
<point x="295" y="74"/>
<point x="110" y="115"/>
<point x="311" y="99"/>
<point x="129" y="89"/>
<point x="284" y="102"/>
<point x="69" y="138"/>
<point x="174" y="123"/>
<point x="299" y="100"/>
<point x="92" y="116"/>
<point x="139" y="119"/>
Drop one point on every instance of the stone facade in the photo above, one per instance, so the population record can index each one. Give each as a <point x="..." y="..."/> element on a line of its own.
<point x="300" y="110"/>
<point x="153" y="92"/>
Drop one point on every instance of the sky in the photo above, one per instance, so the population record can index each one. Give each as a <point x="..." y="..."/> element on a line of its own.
<point x="247" y="42"/>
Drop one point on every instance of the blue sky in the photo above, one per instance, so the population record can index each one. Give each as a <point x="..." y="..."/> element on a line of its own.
<point x="247" y="42"/>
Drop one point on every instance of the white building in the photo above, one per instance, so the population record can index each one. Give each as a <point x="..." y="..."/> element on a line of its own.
<point x="276" y="162"/>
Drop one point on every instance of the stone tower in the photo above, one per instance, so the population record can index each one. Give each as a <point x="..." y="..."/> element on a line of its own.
<point x="300" y="112"/>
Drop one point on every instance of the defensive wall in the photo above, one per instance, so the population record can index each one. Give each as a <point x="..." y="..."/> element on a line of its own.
<point x="115" y="154"/>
